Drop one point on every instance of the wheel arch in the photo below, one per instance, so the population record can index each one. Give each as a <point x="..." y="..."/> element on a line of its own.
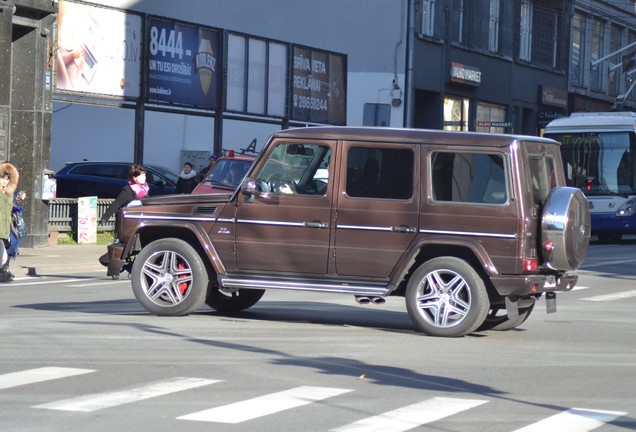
<point x="470" y="252"/>
<point x="193" y="234"/>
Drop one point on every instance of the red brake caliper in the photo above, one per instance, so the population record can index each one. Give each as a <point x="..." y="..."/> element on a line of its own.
<point x="182" y="286"/>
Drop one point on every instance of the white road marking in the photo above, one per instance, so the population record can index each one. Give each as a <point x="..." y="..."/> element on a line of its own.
<point x="31" y="376"/>
<point x="50" y="282"/>
<point x="615" y="296"/>
<point x="99" y="401"/>
<point x="573" y="420"/>
<point x="264" y="405"/>
<point x="412" y="416"/>
<point x="576" y="288"/>
<point x="606" y="263"/>
<point x="112" y="282"/>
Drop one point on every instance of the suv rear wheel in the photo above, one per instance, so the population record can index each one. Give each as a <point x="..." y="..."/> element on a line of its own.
<point x="169" y="278"/>
<point x="446" y="297"/>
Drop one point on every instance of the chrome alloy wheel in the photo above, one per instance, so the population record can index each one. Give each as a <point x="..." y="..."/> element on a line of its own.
<point x="166" y="278"/>
<point x="443" y="298"/>
<point x="446" y="297"/>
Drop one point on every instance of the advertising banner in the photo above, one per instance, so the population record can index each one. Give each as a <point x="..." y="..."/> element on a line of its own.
<point x="318" y="86"/>
<point x="87" y="220"/>
<point x="99" y="50"/>
<point x="184" y="64"/>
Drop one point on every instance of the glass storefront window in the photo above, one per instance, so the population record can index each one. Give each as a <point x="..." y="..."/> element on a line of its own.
<point x="456" y="114"/>
<point x="491" y="114"/>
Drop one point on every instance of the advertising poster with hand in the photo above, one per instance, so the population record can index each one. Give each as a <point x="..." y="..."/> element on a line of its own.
<point x="98" y="50"/>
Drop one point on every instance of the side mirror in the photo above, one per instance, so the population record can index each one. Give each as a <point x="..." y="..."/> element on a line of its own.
<point x="248" y="188"/>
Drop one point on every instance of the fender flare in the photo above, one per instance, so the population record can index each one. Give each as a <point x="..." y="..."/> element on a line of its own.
<point x="196" y="229"/>
<point x="410" y="258"/>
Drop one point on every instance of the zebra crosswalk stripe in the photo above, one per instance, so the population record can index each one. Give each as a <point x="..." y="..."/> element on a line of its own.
<point x="264" y="405"/>
<point x="573" y="420"/>
<point x="32" y="376"/>
<point x="99" y="401"/>
<point x="412" y="416"/>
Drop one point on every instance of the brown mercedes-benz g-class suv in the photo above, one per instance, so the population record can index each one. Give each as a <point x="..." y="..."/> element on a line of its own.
<point x="471" y="229"/>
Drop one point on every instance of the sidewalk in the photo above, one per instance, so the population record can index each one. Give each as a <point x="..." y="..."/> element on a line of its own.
<point x="58" y="260"/>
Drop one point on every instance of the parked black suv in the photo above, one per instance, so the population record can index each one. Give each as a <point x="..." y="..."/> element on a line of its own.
<point x="105" y="179"/>
<point x="471" y="229"/>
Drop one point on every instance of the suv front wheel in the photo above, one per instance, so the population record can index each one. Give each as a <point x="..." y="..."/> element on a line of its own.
<point x="446" y="297"/>
<point x="169" y="278"/>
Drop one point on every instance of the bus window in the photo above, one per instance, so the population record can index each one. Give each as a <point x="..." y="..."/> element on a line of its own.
<point x="599" y="162"/>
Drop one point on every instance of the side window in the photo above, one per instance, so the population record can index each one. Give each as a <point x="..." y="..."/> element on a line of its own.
<point x="301" y="169"/>
<point x="111" y="171"/>
<point x="374" y="172"/>
<point x="84" y="170"/>
<point x="150" y="177"/>
<point x="542" y="177"/>
<point x="469" y="177"/>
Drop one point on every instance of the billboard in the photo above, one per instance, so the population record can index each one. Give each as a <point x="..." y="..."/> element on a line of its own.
<point x="184" y="63"/>
<point x="98" y="50"/>
<point x="318" y="86"/>
<point x="256" y="76"/>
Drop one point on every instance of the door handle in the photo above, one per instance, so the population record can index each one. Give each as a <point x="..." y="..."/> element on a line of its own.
<point x="316" y="224"/>
<point x="403" y="229"/>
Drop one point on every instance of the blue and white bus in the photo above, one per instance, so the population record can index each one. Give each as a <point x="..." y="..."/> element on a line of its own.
<point x="599" y="157"/>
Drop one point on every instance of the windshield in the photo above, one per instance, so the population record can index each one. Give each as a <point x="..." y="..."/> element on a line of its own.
<point x="228" y="172"/>
<point x="599" y="163"/>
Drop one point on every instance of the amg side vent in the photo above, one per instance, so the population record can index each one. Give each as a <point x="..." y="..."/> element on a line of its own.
<point x="205" y="210"/>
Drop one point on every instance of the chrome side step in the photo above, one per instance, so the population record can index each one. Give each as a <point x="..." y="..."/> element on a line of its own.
<point x="342" y="288"/>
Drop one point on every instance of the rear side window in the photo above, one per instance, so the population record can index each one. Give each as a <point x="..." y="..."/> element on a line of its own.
<point x="374" y="172"/>
<point x="469" y="177"/>
<point x="84" y="170"/>
<point x="542" y="177"/>
<point x="101" y="170"/>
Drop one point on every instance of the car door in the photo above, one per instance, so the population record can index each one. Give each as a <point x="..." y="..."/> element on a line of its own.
<point x="377" y="207"/>
<point x="286" y="226"/>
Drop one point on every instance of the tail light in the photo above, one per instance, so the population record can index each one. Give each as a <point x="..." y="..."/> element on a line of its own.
<point x="529" y="264"/>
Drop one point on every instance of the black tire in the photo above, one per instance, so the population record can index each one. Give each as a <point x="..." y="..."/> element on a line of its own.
<point x="565" y="223"/>
<point x="234" y="301"/>
<point x="498" y="320"/>
<point x="446" y="297"/>
<point x="169" y="278"/>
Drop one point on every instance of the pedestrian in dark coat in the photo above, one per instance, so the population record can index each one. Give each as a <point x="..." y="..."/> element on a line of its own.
<point x="137" y="188"/>
<point x="187" y="179"/>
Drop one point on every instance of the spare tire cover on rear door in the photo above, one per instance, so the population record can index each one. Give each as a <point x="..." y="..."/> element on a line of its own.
<point x="566" y="223"/>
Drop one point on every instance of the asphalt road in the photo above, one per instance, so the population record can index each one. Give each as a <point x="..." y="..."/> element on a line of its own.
<point x="79" y="354"/>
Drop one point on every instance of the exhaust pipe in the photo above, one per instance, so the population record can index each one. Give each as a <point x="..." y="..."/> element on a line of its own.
<point x="377" y="300"/>
<point x="363" y="300"/>
<point x="366" y="300"/>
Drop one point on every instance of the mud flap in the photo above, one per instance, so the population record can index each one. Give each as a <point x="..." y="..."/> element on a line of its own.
<point x="550" y="302"/>
<point x="512" y="309"/>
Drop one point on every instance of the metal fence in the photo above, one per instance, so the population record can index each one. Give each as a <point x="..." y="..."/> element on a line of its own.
<point x="63" y="214"/>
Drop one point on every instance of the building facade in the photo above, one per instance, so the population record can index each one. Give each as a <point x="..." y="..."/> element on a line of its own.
<point x="499" y="66"/>
<point x="602" y="68"/>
